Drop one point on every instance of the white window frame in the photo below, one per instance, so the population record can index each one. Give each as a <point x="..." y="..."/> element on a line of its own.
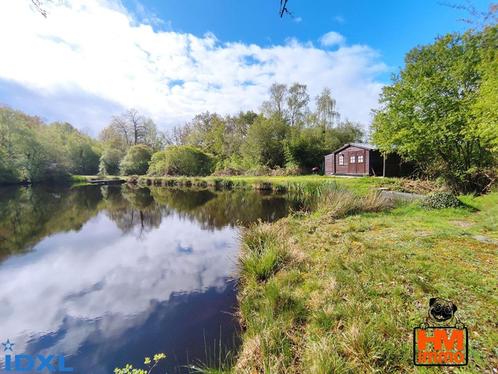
<point x="352" y="159"/>
<point x="360" y="159"/>
<point x="341" y="160"/>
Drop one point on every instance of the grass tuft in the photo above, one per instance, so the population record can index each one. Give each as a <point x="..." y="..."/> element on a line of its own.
<point x="344" y="285"/>
<point x="262" y="253"/>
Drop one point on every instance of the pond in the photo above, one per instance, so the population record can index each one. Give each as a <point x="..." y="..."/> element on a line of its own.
<point x="108" y="275"/>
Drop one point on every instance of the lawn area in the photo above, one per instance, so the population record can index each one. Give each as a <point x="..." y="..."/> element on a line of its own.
<point x="320" y="294"/>
<point x="360" y="185"/>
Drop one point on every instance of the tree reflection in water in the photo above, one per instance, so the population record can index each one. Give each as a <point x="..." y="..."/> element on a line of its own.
<point x="28" y="214"/>
<point x="108" y="275"/>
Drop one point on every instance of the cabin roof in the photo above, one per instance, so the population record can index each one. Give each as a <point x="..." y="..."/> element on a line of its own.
<point x="358" y="145"/>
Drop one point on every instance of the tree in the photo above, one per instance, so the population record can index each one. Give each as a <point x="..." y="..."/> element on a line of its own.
<point x="297" y="103"/>
<point x="325" y="109"/>
<point x="276" y="103"/>
<point x="264" y="144"/>
<point x="131" y="128"/>
<point x="236" y="129"/>
<point x="78" y="153"/>
<point x="428" y="114"/>
<point x="28" y="151"/>
<point x="136" y="160"/>
<point x="485" y="108"/>
<point x="206" y="132"/>
<point x="477" y="18"/>
<point x="181" y="160"/>
<point x="109" y="161"/>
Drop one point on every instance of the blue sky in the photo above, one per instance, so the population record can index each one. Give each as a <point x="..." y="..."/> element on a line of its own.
<point x="170" y="59"/>
<point x="391" y="27"/>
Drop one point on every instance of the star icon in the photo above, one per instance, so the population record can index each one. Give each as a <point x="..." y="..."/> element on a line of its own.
<point x="7" y="346"/>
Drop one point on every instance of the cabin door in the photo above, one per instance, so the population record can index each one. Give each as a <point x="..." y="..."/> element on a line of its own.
<point x="356" y="162"/>
<point x="360" y="162"/>
<point x="351" y="162"/>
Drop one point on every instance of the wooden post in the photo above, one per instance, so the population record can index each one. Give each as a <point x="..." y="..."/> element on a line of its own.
<point x="383" y="165"/>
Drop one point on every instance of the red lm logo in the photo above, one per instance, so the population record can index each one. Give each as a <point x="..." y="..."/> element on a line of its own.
<point x="440" y="346"/>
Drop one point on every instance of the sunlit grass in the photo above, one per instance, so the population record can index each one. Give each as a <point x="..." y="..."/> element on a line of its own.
<point x="356" y="278"/>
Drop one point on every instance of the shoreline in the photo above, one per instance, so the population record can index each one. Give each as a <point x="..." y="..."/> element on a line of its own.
<point x="343" y="293"/>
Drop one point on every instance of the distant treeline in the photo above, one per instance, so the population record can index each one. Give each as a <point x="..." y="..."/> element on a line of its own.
<point x="286" y="137"/>
<point x="440" y="112"/>
<point x="32" y="151"/>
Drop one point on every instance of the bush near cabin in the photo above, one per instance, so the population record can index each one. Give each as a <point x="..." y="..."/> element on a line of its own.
<point x="181" y="160"/>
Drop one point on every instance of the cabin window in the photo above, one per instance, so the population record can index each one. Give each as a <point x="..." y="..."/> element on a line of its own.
<point x="360" y="159"/>
<point x="341" y="159"/>
<point x="352" y="159"/>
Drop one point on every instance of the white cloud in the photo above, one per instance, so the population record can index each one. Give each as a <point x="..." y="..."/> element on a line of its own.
<point x="339" y="19"/>
<point x="332" y="38"/>
<point x="118" y="277"/>
<point x="99" y="49"/>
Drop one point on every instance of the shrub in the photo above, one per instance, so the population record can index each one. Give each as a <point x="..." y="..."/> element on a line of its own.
<point x="181" y="160"/>
<point x="440" y="200"/>
<point x="109" y="162"/>
<point x="136" y="160"/>
<point x="258" y="170"/>
<point x="262" y="253"/>
<point x="339" y="204"/>
<point x="228" y="172"/>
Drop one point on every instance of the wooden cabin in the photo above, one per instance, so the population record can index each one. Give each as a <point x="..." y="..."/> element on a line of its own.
<point x="361" y="159"/>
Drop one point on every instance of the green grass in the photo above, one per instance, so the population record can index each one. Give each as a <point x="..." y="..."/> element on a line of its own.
<point x="279" y="184"/>
<point x="84" y="180"/>
<point x="349" y="285"/>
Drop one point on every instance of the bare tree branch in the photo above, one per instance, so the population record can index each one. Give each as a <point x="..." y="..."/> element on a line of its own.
<point x="476" y="17"/>
<point x="283" y="8"/>
<point x="39" y="7"/>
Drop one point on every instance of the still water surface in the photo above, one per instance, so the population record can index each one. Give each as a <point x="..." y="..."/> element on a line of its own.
<point x="109" y="275"/>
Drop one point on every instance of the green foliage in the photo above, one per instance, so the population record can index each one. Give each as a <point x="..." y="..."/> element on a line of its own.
<point x="485" y="107"/>
<point x="286" y="135"/>
<point x="181" y="160"/>
<point x="308" y="146"/>
<point x="265" y="142"/>
<point x="441" y="200"/>
<point x="110" y="161"/>
<point x="136" y="160"/>
<point x="80" y="153"/>
<point x="441" y="110"/>
<point x="148" y="362"/>
<point x="31" y="151"/>
<point x="30" y="214"/>
<point x="131" y="128"/>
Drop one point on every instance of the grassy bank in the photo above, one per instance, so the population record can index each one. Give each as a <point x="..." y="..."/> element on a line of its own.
<point x="360" y="185"/>
<point x="340" y="290"/>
